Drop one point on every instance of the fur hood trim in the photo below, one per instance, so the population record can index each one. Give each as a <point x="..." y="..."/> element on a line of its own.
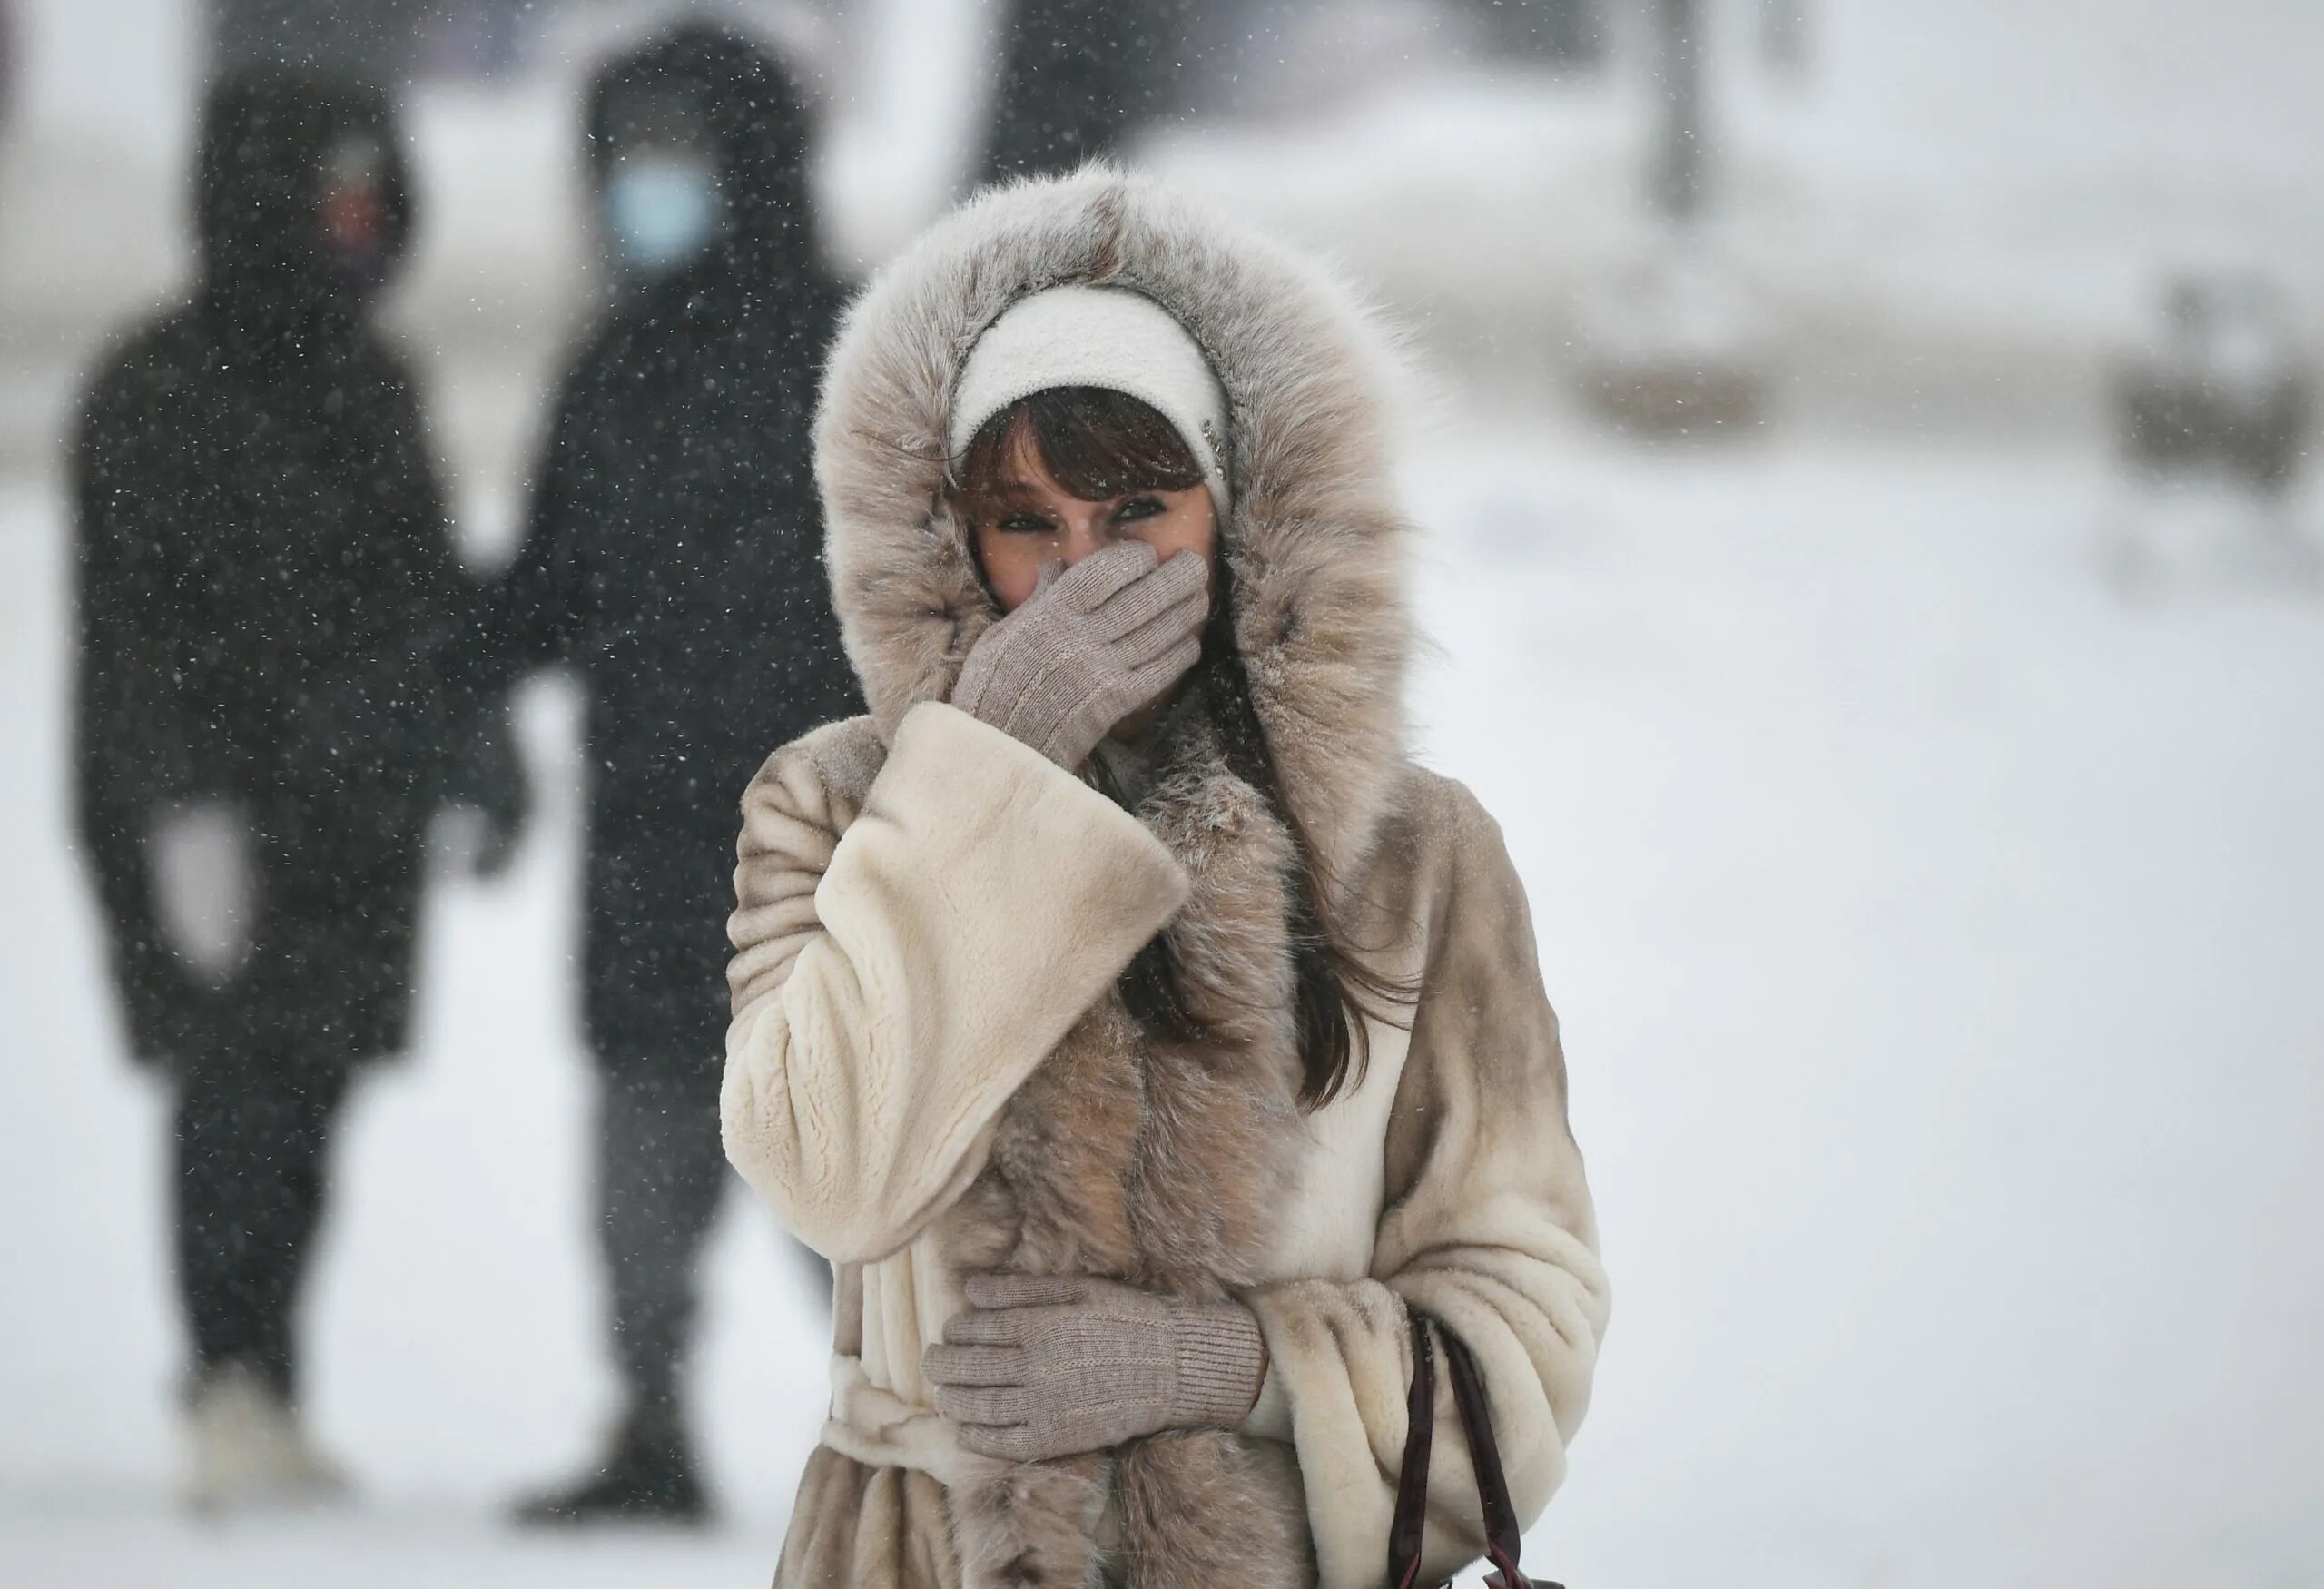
<point x="1317" y="540"/>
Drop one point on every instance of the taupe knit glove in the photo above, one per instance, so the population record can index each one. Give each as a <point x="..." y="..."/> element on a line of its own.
<point x="1090" y="645"/>
<point x="1043" y="1366"/>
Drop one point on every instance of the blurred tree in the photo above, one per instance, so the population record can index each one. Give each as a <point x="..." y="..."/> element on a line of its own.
<point x="376" y="40"/>
<point x="1564" y="32"/>
<point x="1078" y="77"/>
<point x="7" y="60"/>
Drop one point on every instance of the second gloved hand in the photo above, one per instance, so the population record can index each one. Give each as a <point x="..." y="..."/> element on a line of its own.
<point x="1092" y="644"/>
<point x="1044" y="1366"/>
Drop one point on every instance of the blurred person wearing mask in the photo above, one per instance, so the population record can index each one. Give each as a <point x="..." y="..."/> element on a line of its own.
<point x="263" y="562"/>
<point x="672" y="559"/>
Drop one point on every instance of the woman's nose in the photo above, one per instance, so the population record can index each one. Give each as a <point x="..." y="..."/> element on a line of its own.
<point x="1086" y="533"/>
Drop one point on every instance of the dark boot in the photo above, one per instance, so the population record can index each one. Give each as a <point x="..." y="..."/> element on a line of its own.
<point x="647" y="1477"/>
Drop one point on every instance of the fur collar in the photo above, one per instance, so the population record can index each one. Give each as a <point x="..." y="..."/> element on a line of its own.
<point x="1317" y="539"/>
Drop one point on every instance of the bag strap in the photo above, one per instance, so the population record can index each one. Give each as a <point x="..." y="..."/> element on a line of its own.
<point x="1503" y="1537"/>
<point x="1411" y="1520"/>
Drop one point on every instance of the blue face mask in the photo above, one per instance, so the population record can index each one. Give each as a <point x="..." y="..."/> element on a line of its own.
<point x="661" y="211"/>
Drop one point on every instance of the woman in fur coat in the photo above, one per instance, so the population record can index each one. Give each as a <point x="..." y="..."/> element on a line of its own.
<point x="1140" y="1033"/>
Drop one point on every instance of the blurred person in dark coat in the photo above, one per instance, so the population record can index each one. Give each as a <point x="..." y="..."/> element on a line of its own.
<point x="673" y="559"/>
<point x="261" y="552"/>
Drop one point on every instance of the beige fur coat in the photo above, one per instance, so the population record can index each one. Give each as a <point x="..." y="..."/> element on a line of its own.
<point x="929" y="1071"/>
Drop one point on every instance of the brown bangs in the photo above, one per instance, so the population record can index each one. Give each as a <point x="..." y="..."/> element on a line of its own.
<point x="1096" y="443"/>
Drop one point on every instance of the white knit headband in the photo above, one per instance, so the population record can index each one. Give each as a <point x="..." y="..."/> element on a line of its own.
<point x="1108" y="337"/>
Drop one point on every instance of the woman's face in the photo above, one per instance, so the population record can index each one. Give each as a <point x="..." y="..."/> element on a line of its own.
<point x="1029" y="519"/>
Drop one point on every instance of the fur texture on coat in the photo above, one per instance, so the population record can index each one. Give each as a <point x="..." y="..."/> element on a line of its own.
<point x="1127" y="1154"/>
<point x="1316" y="541"/>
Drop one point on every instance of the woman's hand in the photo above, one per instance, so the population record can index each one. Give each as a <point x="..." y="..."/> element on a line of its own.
<point x="1043" y="1366"/>
<point x="1092" y="644"/>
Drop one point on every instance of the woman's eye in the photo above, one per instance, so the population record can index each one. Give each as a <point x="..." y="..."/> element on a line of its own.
<point x="1139" y="507"/>
<point x="1018" y="524"/>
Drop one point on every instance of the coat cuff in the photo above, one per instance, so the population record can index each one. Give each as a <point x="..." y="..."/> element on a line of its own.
<point x="1270" y="1415"/>
<point x="941" y="754"/>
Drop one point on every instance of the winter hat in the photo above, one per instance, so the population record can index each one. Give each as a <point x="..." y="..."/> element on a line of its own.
<point x="1108" y="337"/>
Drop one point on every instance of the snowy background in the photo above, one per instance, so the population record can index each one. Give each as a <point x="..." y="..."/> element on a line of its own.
<point x="1935" y="924"/>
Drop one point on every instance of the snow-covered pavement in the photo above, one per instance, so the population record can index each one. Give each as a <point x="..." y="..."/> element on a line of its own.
<point x="1935" y="936"/>
<point x="1933" y="933"/>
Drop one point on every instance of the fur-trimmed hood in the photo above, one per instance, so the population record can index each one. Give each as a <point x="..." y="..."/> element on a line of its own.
<point x="1317" y="539"/>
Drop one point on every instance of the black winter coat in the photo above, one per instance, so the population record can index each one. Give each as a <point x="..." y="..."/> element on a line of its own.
<point x="261" y="546"/>
<point x="672" y="557"/>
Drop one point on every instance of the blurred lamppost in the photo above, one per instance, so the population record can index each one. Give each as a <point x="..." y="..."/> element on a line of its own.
<point x="1679" y="159"/>
<point x="1675" y="349"/>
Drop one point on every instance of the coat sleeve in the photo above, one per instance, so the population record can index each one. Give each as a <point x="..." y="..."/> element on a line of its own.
<point x="426" y="555"/>
<point x="898" y="976"/>
<point x="540" y="610"/>
<point x="1488" y="1226"/>
<point x="126" y="753"/>
<point x="402" y="689"/>
<point x="131" y="640"/>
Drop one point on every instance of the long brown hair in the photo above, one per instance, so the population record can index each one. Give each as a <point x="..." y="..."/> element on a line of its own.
<point x="1100" y="444"/>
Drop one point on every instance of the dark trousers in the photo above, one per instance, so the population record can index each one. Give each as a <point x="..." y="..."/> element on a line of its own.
<point x="661" y="1172"/>
<point x="250" y="1192"/>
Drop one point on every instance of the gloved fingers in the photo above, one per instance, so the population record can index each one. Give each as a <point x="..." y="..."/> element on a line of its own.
<point x="992" y="1405"/>
<point x="1166" y="630"/>
<point x="1090" y="582"/>
<point x="949" y="1364"/>
<point x="1010" y="1443"/>
<point x="1185" y="577"/>
<point x="1030" y="612"/>
<point x="992" y="1290"/>
<point x="1150" y="681"/>
<point x="983" y="1326"/>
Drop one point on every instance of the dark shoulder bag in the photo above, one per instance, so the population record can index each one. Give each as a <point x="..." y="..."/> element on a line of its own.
<point x="1412" y="1487"/>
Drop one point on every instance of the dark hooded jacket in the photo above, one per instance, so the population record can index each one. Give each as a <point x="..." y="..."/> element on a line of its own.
<point x="672" y="556"/>
<point x="262" y="546"/>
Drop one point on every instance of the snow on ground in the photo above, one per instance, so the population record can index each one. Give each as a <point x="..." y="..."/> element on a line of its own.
<point x="1934" y="936"/>
<point x="1933" y="931"/>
